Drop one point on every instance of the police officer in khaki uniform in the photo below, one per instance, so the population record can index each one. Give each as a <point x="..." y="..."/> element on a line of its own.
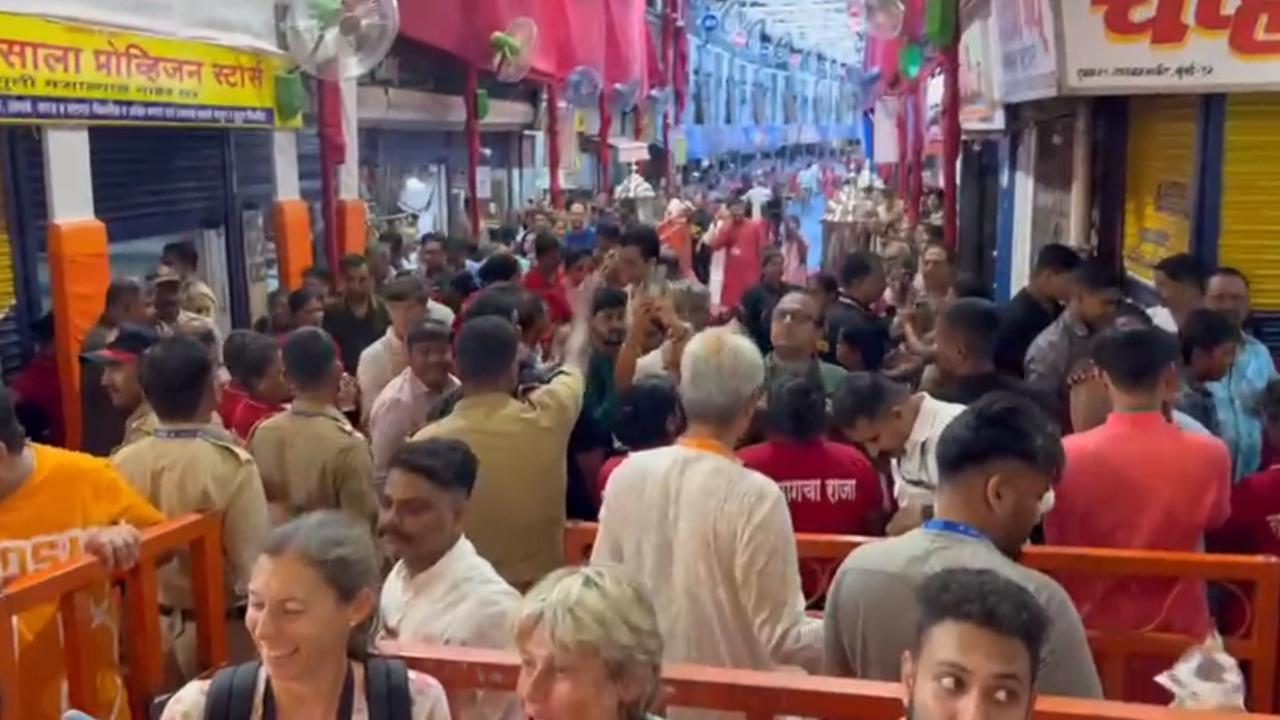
<point x="310" y="456"/>
<point x="184" y="467"/>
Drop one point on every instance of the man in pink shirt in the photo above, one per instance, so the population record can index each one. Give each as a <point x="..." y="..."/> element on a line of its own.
<point x="1139" y="482"/>
<point x="744" y="241"/>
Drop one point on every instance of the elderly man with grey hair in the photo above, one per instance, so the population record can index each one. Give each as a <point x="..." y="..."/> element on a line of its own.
<point x="708" y="539"/>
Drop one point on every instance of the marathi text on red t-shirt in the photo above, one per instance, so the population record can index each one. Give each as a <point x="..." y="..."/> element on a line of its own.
<point x="830" y="488"/>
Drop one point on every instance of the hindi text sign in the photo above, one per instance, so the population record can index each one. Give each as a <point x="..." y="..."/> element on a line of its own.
<point x="1158" y="46"/>
<point x="62" y="72"/>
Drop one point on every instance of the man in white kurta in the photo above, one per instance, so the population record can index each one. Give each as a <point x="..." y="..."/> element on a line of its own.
<point x="712" y="543"/>
<point x="441" y="592"/>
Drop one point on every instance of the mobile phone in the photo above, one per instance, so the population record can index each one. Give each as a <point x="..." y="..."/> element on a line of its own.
<point x="657" y="281"/>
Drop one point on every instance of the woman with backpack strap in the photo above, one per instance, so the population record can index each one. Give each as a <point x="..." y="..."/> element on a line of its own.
<point x="317" y="573"/>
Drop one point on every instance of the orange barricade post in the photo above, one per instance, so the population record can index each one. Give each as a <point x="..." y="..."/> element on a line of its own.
<point x="1254" y="646"/>
<point x="65" y="585"/>
<point x="764" y="695"/>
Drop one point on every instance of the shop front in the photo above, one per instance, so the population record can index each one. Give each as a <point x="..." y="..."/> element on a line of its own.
<point x="1200" y="165"/>
<point x="115" y="144"/>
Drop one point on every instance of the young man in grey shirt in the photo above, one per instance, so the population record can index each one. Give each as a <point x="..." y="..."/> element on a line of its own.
<point x="997" y="462"/>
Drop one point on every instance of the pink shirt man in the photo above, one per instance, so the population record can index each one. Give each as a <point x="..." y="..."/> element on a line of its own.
<point x="1139" y="482"/>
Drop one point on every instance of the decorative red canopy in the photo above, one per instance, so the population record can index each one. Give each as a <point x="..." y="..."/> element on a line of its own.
<point x="609" y="35"/>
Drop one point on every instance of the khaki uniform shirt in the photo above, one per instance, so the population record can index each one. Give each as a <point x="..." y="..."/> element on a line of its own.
<point x="311" y="458"/>
<point x="187" y="469"/>
<point x="517" y="512"/>
<point x="143" y="421"/>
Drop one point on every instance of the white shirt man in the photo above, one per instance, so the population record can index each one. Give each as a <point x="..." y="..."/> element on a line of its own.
<point x="382" y="361"/>
<point x="723" y="573"/>
<point x="915" y="472"/>
<point x="441" y="592"/>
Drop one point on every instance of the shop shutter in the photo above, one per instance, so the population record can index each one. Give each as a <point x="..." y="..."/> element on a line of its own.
<point x="26" y="227"/>
<point x="310" y="180"/>
<point x="1250" y="234"/>
<point x="255" y="171"/>
<point x="1160" y="189"/>
<point x="11" y="320"/>
<point x="155" y="181"/>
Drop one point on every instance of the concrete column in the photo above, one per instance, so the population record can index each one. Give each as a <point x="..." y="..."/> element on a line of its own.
<point x="1082" y="175"/>
<point x="353" y="215"/>
<point x="291" y="216"/>
<point x="79" y="263"/>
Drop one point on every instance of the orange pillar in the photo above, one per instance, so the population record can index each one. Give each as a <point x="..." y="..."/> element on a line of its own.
<point x="293" y="241"/>
<point x="79" y="273"/>
<point x="353" y="222"/>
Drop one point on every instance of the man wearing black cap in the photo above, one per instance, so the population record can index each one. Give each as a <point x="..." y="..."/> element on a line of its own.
<point x="119" y="360"/>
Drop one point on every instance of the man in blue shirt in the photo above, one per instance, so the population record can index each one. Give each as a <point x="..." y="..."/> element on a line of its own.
<point x="1235" y="397"/>
<point x="580" y="236"/>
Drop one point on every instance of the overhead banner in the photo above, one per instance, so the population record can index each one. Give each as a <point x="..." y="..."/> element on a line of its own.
<point x="1028" y="55"/>
<point x="1170" y="46"/>
<point x="53" y="72"/>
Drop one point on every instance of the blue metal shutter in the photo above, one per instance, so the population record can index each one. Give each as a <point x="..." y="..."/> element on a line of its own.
<point x="309" y="176"/>
<point x="154" y="181"/>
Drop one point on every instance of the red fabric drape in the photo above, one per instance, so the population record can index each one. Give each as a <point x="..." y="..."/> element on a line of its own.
<point x="553" y="144"/>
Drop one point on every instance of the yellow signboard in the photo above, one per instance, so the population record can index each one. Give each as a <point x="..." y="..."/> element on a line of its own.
<point x="63" y="72"/>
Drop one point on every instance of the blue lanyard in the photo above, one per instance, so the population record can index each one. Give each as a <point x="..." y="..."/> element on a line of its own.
<point x="955" y="528"/>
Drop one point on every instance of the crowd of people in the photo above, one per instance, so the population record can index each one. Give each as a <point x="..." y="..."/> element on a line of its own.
<point x="700" y="393"/>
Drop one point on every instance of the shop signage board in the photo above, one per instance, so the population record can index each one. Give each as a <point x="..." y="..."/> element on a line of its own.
<point x="1169" y="46"/>
<point x="979" y="76"/>
<point x="1027" y="50"/>
<point x="56" y="72"/>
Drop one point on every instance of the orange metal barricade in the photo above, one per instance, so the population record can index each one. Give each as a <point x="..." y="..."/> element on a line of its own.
<point x="1254" y="646"/>
<point x="764" y="695"/>
<point x="67" y="586"/>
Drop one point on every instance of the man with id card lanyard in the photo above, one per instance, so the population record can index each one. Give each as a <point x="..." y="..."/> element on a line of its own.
<point x="997" y="464"/>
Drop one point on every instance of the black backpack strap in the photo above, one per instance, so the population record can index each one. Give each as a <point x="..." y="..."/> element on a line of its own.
<point x="387" y="689"/>
<point x="231" y="692"/>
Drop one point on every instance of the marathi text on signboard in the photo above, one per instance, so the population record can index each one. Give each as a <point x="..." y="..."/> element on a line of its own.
<point x="1130" y="46"/>
<point x="60" y="72"/>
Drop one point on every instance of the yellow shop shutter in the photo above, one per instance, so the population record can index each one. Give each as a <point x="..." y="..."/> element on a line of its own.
<point x="7" y="294"/>
<point x="1160" y="187"/>
<point x="1250" y="236"/>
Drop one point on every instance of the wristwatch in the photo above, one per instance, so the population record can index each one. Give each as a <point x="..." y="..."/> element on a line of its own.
<point x="926" y="512"/>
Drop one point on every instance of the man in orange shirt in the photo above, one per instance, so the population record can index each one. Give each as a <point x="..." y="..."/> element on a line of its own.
<point x="55" y="505"/>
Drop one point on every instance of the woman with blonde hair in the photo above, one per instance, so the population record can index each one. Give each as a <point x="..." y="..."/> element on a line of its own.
<point x="589" y="647"/>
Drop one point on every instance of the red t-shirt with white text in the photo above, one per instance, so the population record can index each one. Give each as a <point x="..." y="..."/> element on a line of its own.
<point x="830" y="488"/>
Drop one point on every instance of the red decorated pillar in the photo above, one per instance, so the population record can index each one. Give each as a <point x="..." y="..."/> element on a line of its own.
<point x="553" y="144"/>
<point x="917" y="146"/>
<point x="951" y="144"/>
<point x="473" y="152"/>
<point x="606" y="127"/>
